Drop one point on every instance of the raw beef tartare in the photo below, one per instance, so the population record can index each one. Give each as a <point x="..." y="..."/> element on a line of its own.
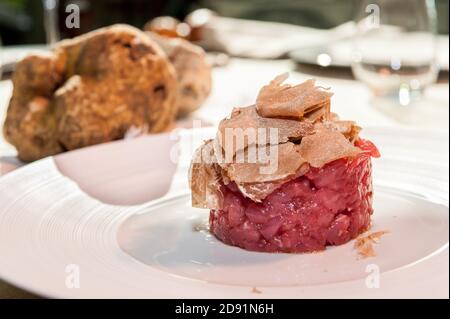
<point x="315" y="191"/>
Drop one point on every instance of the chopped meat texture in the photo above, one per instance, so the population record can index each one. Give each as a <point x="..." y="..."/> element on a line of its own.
<point x="368" y="147"/>
<point x="260" y="190"/>
<point x="326" y="206"/>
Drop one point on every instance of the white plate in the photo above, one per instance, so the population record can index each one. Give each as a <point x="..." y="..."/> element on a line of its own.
<point x="104" y="219"/>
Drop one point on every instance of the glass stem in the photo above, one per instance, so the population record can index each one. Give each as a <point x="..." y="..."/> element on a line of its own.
<point x="51" y="21"/>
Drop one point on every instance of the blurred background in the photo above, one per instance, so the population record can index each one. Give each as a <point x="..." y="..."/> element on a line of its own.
<point x="21" y="21"/>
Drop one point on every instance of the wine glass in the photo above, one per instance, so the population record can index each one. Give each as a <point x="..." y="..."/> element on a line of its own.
<point x="51" y="21"/>
<point x="395" y="48"/>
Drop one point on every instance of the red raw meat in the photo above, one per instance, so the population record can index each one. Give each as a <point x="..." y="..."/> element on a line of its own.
<point x="326" y="206"/>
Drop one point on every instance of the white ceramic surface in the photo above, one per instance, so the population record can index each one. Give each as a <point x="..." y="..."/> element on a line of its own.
<point x="102" y="215"/>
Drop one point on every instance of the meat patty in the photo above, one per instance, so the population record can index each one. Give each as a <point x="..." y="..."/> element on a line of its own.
<point x="326" y="206"/>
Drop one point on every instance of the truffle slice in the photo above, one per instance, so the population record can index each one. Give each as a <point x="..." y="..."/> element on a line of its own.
<point x="243" y="149"/>
<point x="246" y="127"/>
<point x="277" y="163"/>
<point x="326" y="146"/>
<point x="204" y="179"/>
<point x="284" y="100"/>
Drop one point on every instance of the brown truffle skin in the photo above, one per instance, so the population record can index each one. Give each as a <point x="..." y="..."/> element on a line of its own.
<point x="97" y="86"/>
<point x="30" y="123"/>
<point x="193" y="72"/>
